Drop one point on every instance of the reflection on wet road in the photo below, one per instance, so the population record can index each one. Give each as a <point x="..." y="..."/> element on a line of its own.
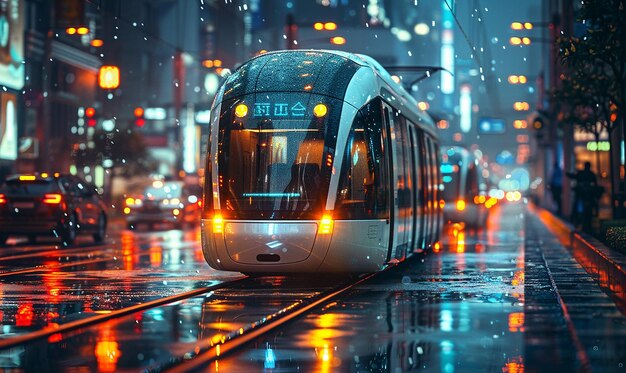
<point x="484" y="301"/>
<point x="459" y="309"/>
<point x="47" y="284"/>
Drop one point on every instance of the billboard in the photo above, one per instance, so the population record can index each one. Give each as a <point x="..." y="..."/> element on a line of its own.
<point x="12" y="43"/>
<point x="8" y="126"/>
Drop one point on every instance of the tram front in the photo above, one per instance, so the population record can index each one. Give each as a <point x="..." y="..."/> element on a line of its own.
<point x="274" y="128"/>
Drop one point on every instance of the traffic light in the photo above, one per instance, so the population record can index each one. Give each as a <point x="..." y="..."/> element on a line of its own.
<point x="613" y="115"/>
<point x="90" y="114"/>
<point x="139" y="119"/>
<point x="539" y="126"/>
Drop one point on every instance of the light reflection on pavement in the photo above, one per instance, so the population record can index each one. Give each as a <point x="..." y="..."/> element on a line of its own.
<point x="130" y="269"/>
<point x="461" y="309"/>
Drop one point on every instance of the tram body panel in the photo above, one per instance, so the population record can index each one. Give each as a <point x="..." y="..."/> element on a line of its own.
<point x="357" y="246"/>
<point x="265" y="255"/>
<point x="251" y="242"/>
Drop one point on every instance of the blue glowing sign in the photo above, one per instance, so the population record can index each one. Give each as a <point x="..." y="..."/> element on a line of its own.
<point x="491" y="126"/>
<point x="278" y="109"/>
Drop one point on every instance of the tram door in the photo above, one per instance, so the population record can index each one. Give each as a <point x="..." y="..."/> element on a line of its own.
<point x="399" y="218"/>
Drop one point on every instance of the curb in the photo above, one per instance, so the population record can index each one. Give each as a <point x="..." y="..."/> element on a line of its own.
<point x="606" y="265"/>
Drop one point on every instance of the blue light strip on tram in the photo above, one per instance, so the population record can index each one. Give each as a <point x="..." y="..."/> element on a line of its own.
<point x="274" y="195"/>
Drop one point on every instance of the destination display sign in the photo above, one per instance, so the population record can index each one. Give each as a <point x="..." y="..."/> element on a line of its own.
<point x="278" y="109"/>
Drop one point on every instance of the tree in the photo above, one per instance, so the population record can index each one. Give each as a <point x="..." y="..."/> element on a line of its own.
<point x="122" y="152"/>
<point x="594" y="87"/>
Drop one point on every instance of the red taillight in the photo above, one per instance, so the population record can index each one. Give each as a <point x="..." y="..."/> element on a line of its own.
<point x="3" y="199"/>
<point x="52" y="198"/>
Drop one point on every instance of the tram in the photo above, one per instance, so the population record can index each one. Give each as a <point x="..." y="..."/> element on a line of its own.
<point x="318" y="161"/>
<point x="465" y="189"/>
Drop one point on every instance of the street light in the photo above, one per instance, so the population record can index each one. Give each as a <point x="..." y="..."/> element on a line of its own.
<point x="209" y="64"/>
<point x="520" y="124"/>
<point x="517" y="79"/>
<point x="109" y="77"/>
<point x="521" y="26"/>
<point x="329" y="26"/>
<point x="521" y="106"/>
<point x="338" y="40"/>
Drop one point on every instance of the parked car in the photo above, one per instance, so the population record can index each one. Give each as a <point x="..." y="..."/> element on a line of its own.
<point x="164" y="202"/>
<point x="53" y="205"/>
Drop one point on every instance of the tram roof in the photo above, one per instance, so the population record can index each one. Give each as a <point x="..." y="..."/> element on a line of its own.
<point x="326" y="72"/>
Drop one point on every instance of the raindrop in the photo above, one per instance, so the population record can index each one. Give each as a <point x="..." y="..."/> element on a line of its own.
<point x="406" y="280"/>
<point x="595" y="348"/>
<point x="114" y="258"/>
<point x="164" y="282"/>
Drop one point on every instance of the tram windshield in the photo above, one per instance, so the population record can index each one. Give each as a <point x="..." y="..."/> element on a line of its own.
<point x="275" y="154"/>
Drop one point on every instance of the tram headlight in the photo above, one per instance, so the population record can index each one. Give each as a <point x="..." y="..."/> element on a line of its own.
<point x="326" y="225"/>
<point x="218" y="223"/>
<point x="241" y="110"/>
<point x="320" y="110"/>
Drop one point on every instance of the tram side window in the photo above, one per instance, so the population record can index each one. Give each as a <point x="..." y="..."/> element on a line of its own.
<point x="363" y="188"/>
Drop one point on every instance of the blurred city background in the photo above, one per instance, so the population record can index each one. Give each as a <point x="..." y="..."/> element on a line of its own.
<point x="118" y="91"/>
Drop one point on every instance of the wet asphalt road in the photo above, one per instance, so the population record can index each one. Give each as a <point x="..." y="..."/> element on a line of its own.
<point x="484" y="302"/>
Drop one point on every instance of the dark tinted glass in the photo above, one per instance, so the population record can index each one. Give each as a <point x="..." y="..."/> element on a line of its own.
<point x="274" y="162"/>
<point x="363" y="192"/>
<point x="450" y="175"/>
<point x="29" y="188"/>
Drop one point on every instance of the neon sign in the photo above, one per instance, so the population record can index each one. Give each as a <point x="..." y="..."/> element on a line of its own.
<point x="279" y="109"/>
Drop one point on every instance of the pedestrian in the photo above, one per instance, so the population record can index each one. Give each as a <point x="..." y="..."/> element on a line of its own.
<point x="585" y="195"/>
<point x="556" y="186"/>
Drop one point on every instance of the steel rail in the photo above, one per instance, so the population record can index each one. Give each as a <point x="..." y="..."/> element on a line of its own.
<point x="241" y="337"/>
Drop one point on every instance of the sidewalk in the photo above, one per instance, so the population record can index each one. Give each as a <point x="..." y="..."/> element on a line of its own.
<point x="607" y="266"/>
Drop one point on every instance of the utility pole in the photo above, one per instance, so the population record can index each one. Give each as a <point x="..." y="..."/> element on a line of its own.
<point x="179" y="86"/>
<point x="565" y="25"/>
<point x="291" y="31"/>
